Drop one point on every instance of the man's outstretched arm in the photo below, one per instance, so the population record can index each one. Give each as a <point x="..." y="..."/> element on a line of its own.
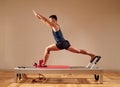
<point x="43" y="19"/>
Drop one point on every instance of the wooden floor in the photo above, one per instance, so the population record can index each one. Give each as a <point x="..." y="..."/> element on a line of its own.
<point x="110" y="79"/>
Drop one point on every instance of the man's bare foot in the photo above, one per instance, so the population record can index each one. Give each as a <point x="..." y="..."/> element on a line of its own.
<point x="42" y="63"/>
<point x="92" y="57"/>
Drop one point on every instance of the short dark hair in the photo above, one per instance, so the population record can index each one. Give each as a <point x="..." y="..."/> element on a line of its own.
<point x="53" y="16"/>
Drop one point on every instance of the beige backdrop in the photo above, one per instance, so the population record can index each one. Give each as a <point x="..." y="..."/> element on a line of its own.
<point x="93" y="25"/>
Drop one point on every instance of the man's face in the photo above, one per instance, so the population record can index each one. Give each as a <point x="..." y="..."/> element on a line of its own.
<point x="52" y="20"/>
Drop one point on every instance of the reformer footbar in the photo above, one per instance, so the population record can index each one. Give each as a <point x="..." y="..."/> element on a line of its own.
<point x="92" y="63"/>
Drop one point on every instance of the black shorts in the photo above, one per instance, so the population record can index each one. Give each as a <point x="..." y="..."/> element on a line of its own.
<point x="63" y="44"/>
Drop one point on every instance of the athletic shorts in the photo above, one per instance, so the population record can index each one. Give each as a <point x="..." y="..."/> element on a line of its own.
<point x="63" y="44"/>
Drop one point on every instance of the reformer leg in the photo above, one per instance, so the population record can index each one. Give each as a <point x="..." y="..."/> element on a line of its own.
<point x="96" y="77"/>
<point x="15" y="77"/>
<point x="101" y="78"/>
<point x="19" y="76"/>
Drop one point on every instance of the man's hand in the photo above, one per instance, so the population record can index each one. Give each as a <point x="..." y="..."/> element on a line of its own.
<point x="43" y="19"/>
<point x="34" y="12"/>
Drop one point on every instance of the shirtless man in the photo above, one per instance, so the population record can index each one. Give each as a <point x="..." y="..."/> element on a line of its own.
<point x="61" y="42"/>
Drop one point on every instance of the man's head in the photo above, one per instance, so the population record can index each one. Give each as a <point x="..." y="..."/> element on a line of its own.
<point x="53" y="18"/>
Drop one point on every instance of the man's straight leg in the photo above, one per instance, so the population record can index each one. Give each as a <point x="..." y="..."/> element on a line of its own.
<point x="75" y="50"/>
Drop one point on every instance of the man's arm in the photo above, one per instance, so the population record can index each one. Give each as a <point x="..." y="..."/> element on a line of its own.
<point x="43" y="19"/>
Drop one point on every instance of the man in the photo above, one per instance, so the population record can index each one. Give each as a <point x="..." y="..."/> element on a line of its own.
<point x="61" y="42"/>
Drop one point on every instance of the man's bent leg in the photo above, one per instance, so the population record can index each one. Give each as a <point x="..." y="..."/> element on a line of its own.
<point x="47" y="51"/>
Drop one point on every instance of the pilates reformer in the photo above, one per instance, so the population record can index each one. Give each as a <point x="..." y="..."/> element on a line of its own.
<point x="91" y="68"/>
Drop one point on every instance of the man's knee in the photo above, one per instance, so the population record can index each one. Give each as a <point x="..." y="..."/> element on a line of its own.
<point x="47" y="50"/>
